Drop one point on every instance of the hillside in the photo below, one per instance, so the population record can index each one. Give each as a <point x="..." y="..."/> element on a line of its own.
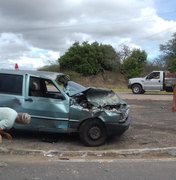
<point x="111" y="80"/>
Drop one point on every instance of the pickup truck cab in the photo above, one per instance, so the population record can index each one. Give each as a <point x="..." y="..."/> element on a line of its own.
<point x="59" y="105"/>
<point x="155" y="81"/>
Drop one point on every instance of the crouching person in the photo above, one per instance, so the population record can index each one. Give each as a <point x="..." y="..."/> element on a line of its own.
<point x="8" y="117"/>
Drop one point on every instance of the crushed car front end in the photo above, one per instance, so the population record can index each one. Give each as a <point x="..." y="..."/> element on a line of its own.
<point x="117" y="119"/>
<point x="114" y="111"/>
<point x="96" y="113"/>
<point x="102" y="104"/>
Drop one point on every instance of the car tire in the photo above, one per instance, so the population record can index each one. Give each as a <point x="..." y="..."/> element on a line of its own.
<point x="137" y="89"/>
<point x="142" y="92"/>
<point x="93" y="133"/>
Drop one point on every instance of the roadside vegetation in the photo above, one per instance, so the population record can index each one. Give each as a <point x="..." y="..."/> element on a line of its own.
<point x="100" y="65"/>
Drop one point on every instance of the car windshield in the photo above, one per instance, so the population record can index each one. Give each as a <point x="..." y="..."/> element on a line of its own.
<point x="70" y="87"/>
<point x="73" y="88"/>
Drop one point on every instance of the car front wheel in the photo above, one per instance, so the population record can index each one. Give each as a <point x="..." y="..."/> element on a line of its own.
<point x="93" y="133"/>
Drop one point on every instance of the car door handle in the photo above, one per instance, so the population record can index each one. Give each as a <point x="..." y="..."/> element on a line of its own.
<point x="29" y="99"/>
<point x="159" y="81"/>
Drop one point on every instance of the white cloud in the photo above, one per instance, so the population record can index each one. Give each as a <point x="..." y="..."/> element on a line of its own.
<point x="12" y="43"/>
<point x="36" y="36"/>
<point x="157" y="27"/>
<point x="14" y="49"/>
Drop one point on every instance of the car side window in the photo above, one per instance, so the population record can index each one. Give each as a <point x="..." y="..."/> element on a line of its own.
<point x="153" y="75"/>
<point x="35" y="88"/>
<point x="11" y="84"/>
<point x="52" y="91"/>
<point x="40" y="87"/>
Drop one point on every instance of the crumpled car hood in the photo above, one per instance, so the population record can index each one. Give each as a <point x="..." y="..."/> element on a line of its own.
<point x="102" y="97"/>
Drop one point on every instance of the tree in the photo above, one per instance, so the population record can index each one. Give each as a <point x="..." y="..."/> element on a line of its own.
<point x="169" y="53"/>
<point x="88" y="59"/>
<point x="124" y="52"/>
<point x="110" y="58"/>
<point x="172" y="67"/>
<point x="134" y="64"/>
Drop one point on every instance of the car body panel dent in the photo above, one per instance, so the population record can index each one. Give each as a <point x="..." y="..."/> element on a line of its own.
<point x="99" y="103"/>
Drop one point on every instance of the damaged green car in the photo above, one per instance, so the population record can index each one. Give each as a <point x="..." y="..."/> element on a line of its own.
<point x="59" y="105"/>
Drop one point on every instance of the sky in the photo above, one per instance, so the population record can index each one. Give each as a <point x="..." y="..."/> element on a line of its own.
<point x="36" y="33"/>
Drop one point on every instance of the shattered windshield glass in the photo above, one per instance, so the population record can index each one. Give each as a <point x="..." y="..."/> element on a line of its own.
<point x="70" y="87"/>
<point x="73" y="88"/>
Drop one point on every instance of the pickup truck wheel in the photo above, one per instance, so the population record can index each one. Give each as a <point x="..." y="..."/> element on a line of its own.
<point x="93" y="133"/>
<point x="137" y="89"/>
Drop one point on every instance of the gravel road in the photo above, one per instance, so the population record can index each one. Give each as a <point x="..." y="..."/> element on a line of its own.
<point x="147" y="96"/>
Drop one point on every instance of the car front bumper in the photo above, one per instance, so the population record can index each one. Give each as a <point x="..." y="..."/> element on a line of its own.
<point x="118" y="128"/>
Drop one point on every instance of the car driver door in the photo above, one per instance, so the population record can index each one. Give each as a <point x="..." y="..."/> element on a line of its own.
<point x="46" y="104"/>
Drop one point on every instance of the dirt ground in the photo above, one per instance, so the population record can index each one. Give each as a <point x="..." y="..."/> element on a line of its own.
<point x="153" y="126"/>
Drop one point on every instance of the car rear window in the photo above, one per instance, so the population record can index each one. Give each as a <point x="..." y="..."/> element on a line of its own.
<point x="11" y="84"/>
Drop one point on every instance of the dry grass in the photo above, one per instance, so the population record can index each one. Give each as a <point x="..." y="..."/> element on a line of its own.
<point x="110" y="80"/>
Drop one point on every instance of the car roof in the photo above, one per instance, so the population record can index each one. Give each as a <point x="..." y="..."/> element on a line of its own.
<point x="44" y="74"/>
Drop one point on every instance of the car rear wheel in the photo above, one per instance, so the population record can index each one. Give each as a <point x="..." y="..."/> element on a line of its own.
<point x="93" y="133"/>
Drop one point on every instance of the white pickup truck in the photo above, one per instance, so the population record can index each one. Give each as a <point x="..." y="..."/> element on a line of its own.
<point x="155" y="81"/>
